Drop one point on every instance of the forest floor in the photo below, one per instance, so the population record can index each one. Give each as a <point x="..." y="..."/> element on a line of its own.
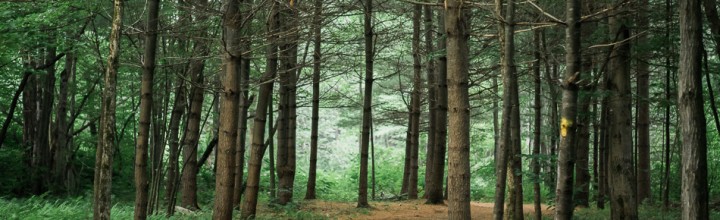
<point x="408" y="209"/>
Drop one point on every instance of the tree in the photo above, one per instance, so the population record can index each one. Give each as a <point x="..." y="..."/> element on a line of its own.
<point x="106" y="138"/>
<point x="537" y="124"/>
<point x="146" y="106"/>
<point x="228" y="110"/>
<point x="566" y="159"/>
<point x="457" y="27"/>
<point x="245" y="100"/>
<point x="501" y="147"/>
<point x="415" y="104"/>
<point x="367" y="104"/>
<point x="317" y="41"/>
<point x="513" y="148"/>
<point x="623" y="194"/>
<point x="694" y="193"/>
<point x="643" y="110"/>
<point x="432" y="100"/>
<point x="288" y="47"/>
<point x="435" y="192"/>
<point x="257" y="151"/>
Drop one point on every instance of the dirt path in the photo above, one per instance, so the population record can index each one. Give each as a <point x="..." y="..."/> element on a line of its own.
<point x="412" y="209"/>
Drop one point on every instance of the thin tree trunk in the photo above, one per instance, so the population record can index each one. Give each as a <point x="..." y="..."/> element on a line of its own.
<point x="415" y="104"/>
<point x="537" y="126"/>
<point x="568" y="135"/>
<point x="367" y="104"/>
<point x="457" y="27"/>
<point x="512" y="145"/>
<point x="643" y="111"/>
<point x="178" y="110"/>
<point x="288" y="93"/>
<point x="13" y="105"/>
<point x="668" y="96"/>
<point x="146" y="108"/>
<point x="694" y="193"/>
<point x="245" y="100"/>
<point x="317" y="38"/>
<point x="61" y="166"/>
<point x="711" y="94"/>
<point x="432" y="101"/>
<point x="271" y="155"/>
<point x="191" y="135"/>
<point x="262" y="109"/>
<point x="435" y="194"/>
<point x="106" y="137"/>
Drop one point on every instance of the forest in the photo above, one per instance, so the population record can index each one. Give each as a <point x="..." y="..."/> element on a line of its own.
<point x="359" y="109"/>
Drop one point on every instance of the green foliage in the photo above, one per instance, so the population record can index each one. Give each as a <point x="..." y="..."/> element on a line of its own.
<point x="11" y="161"/>
<point x="644" y="212"/>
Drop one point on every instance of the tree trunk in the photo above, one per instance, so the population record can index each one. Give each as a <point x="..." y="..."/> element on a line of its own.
<point x="512" y="145"/>
<point x="61" y="167"/>
<point x="415" y="104"/>
<point x="367" y="104"/>
<point x="192" y="129"/>
<point x="643" y="110"/>
<point x="537" y="124"/>
<point x="227" y="137"/>
<point x="245" y="100"/>
<point x="432" y="100"/>
<point x="623" y="195"/>
<point x="106" y="142"/>
<point x="457" y="27"/>
<point x="568" y="135"/>
<point x="146" y="108"/>
<point x="668" y="95"/>
<point x="257" y="151"/>
<point x="288" y="93"/>
<point x="694" y="193"/>
<point x="317" y="40"/>
<point x="435" y="194"/>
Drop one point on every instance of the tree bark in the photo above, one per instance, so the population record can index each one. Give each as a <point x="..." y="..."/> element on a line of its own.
<point x="317" y="40"/>
<point x="568" y="135"/>
<point x="415" y="104"/>
<point x="227" y="137"/>
<point x="435" y="194"/>
<point x="432" y="100"/>
<point x="501" y="146"/>
<point x="245" y="100"/>
<point x="643" y="111"/>
<point x="623" y="194"/>
<point x="537" y="124"/>
<point x="106" y="142"/>
<point x="367" y="104"/>
<point x="513" y="148"/>
<point x="694" y="193"/>
<point x="192" y="129"/>
<point x="457" y="27"/>
<point x="257" y="151"/>
<point x="287" y="114"/>
<point x="146" y="107"/>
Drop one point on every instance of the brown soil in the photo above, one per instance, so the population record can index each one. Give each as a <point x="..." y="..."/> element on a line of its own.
<point x="411" y="209"/>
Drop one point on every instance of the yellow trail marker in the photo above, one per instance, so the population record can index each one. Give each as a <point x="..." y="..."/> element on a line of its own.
<point x="564" y="125"/>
